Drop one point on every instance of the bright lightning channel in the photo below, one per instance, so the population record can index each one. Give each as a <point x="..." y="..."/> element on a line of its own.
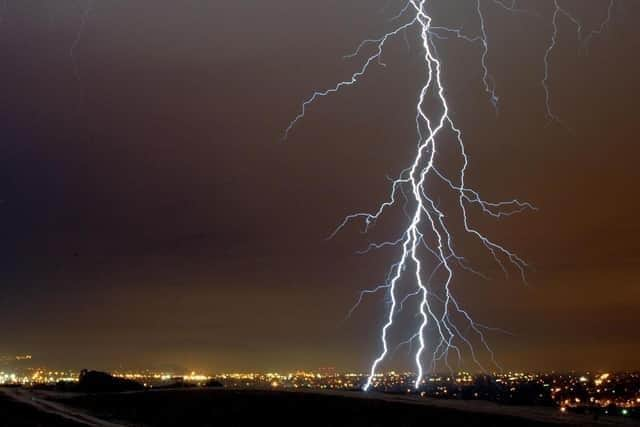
<point x="428" y="224"/>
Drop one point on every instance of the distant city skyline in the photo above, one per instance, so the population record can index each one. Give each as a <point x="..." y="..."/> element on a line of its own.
<point x="613" y="393"/>
<point x="29" y="362"/>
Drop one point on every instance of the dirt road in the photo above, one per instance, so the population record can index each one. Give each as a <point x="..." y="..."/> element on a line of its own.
<point x="32" y="398"/>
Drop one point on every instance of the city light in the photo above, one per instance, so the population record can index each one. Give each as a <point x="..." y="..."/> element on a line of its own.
<point x="567" y="392"/>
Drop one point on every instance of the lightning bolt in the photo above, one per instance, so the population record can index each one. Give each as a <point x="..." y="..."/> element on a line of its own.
<point x="559" y="12"/>
<point x="429" y="224"/>
<point x="86" y="12"/>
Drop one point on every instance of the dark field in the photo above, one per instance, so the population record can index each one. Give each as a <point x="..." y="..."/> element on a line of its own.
<point x="16" y="414"/>
<point x="254" y="408"/>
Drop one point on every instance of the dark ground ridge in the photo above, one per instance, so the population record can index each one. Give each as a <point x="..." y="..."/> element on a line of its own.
<point x="214" y="407"/>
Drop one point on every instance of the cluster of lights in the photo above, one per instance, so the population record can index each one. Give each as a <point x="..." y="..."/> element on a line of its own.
<point x="601" y="391"/>
<point x="37" y="376"/>
<point x="604" y="390"/>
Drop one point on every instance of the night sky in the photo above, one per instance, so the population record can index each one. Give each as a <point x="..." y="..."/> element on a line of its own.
<point x="151" y="216"/>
